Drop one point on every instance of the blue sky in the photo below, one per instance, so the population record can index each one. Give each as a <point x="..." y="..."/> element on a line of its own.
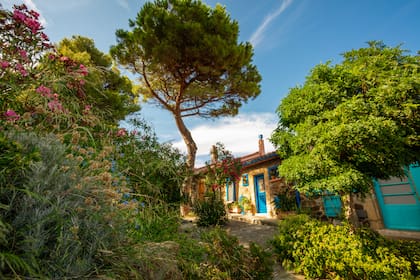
<point x="289" y="37"/>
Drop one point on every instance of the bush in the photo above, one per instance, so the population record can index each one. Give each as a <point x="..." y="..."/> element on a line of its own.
<point x="58" y="222"/>
<point x="322" y="250"/>
<point x="220" y="256"/>
<point x="154" y="220"/>
<point x="210" y="211"/>
<point x="153" y="169"/>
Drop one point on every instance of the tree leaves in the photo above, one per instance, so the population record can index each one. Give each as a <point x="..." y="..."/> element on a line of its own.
<point x="352" y="121"/>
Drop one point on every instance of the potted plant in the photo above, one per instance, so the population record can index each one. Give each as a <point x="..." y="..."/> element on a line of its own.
<point x="245" y="204"/>
<point x="234" y="207"/>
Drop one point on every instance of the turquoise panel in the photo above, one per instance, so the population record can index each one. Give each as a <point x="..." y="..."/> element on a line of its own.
<point x="332" y="205"/>
<point x="404" y="215"/>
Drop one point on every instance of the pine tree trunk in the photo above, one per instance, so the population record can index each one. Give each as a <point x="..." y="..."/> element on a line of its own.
<point x="188" y="140"/>
<point x="187" y="186"/>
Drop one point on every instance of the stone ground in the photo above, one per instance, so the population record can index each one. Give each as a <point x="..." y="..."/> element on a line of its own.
<point x="248" y="232"/>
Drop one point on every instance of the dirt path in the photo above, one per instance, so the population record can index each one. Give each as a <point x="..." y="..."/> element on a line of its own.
<point x="260" y="234"/>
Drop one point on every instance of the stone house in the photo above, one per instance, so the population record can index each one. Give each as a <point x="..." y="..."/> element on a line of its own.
<point x="393" y="206"/>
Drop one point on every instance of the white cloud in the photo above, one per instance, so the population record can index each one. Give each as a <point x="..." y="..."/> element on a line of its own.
<point x="238" y="134"/>
<point x="258" y="35"/>
<point x="31" y="6"/>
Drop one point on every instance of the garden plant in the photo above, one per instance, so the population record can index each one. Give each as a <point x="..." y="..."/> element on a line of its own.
<point x="81" y="198"/>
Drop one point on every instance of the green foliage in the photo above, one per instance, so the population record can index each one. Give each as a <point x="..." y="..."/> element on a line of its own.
<point x="321" y="250"/>
<point x="111" y="94"/>
<point x="22" y="41"/>
<point x="245" y="203"/>
<point x="226" y="168"/>
<point x="220" y="256"/>
<point x="13" y="161"/>
<point x="189" y="61"/>
<point x="154" y="220"/>
<point x="153" y="169"/>
<point x="351" y="121"/>
<point x="285" y="200"/>
<point x="44" y="89"/>
<point x="54" y="228"/>
<point x="229" y="260"/>
<point x="79" y="199"/>
<point x="208" y="63"/>
<point x="210" y="211"/>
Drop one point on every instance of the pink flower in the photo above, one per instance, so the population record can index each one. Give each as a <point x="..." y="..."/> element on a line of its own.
<point x="21" y="69"/>
<point x="121" y="132"/>
<point x="19" y="16"/>
<point x="87" y="109"/>
<point x="43" y="90"/>
<point x="64" y="58"/>
<point x="55" y="106"/>
<point x="47" y="45"/>
<point x="44" y="36"/>
<point x="33" y="24"/>
<point x="51" y="56"/>
<point x="11" y="115"/>
<point x="34" y="14"/>
<point x="134" y="132"/>
<point x="23" y="54"/>
<point x="83" y="70"/>
<point x="4" y="64"/>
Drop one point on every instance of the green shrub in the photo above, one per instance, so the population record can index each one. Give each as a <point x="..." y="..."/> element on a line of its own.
<point x="153" y="169"/>
<point x="210" y="211"/>
<point x="57" y="221"/>
<point x="154" y="220"/>
<point x="219" y="255"/>
<point x="322" y="250"/>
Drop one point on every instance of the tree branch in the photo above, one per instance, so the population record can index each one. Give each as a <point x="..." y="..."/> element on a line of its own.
<point x="152" y="91"/>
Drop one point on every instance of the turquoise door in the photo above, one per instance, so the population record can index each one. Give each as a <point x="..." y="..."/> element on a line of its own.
<point x="399" y="201"/>
<point x="260" y="195"/>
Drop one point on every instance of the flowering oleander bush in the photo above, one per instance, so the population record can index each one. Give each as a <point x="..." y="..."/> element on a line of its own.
<point x="42" y="88"/>
<point x="81" y="198"/>
<point x="227" y="167"/>
<point x="211" y="209"/>
<point x="23" y="46"/>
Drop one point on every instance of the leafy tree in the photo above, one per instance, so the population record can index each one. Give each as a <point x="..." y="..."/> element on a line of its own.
<point x="352" y="122"/>
<point x="111" y="93"/>
<point x="189" y="61"/>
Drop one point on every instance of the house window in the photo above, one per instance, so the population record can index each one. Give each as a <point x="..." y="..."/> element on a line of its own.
<point x="245" y="181"/>
<point x="273" y="172"/>
<point x="230" y="190"/>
